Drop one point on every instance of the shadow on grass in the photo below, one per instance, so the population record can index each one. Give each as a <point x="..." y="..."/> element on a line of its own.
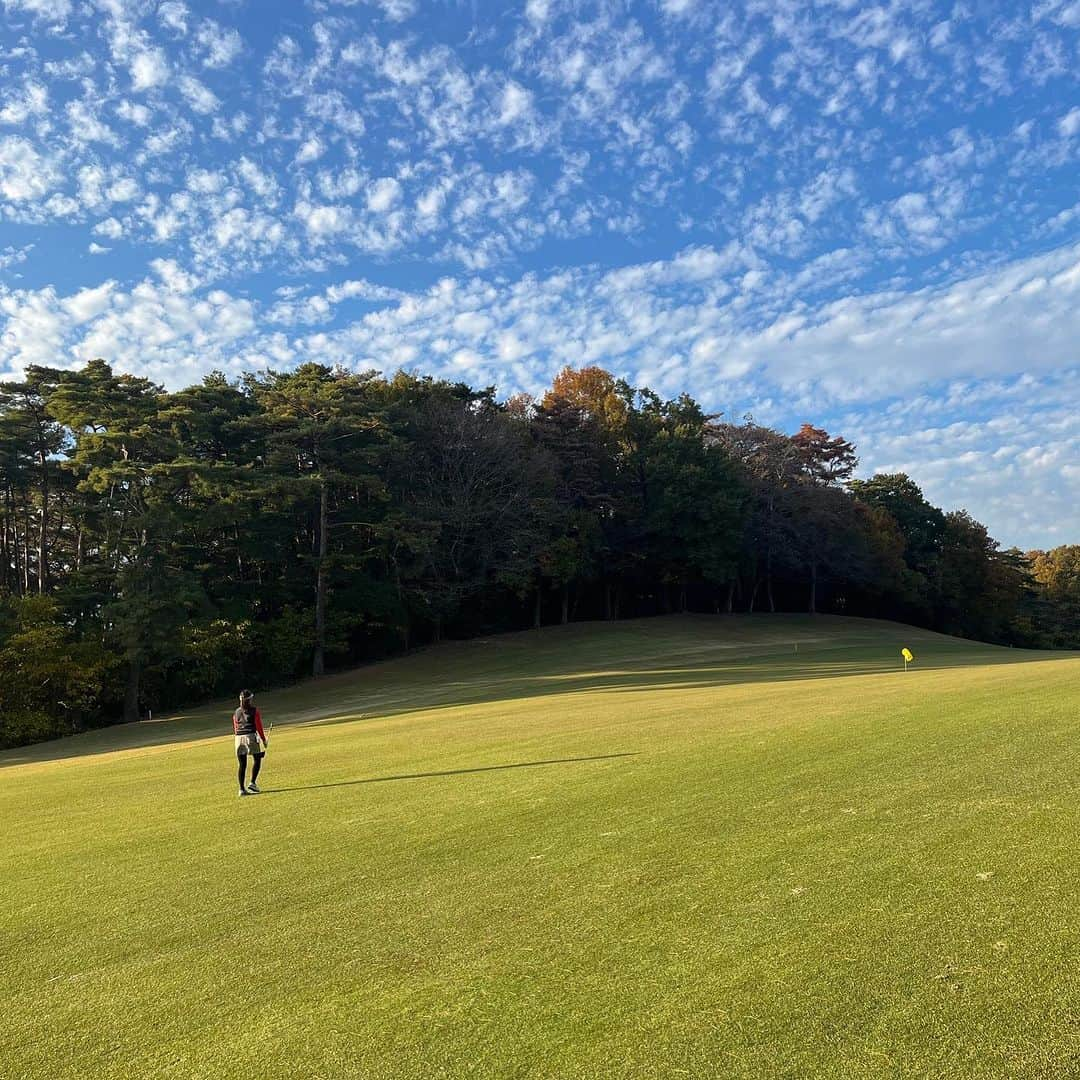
<point x="605" y="667"/>
<point x="448" y="772"/>
<point x="823" y="663"/>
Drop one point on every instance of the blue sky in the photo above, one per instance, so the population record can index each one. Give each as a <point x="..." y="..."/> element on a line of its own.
<point x="865" y="216"/>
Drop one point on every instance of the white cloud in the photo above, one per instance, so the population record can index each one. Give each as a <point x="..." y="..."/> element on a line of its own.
<point x="12" y="256"/>
<point x="1063" y="12"/>
<point x="51" y="11"/>
<point x="160" y="328"/>
<point x="219" y="46"/>
<point x="295" y="308"/>
<point x="60" y="206"/>
<point x="383" y="194"/>
<point x="261" y="183"/>
<point x="110" y="228"/>
<point x="1020" y="318"/>
<point x="198" y="96"/>
<point x="174" y="15"/>
<point x="136" y="114"/>
<point x="86" y="126"/>
<point x="362" y="290"/>
<point x="394" y="10"/>
<point x="91" y="181"/>
<point x="398" y="10"/>
<point x="176" y="279"/>
<point x="123" y="190"/>
<point x="1069" y="124"/>
<point x="88" y="304"/>
<point x="678" y="7"/>
<point x="472" y="326"/>
<point x="334" y="108"/>
<point x="311" y="149"/>
<point x="515" y="104"/>
<point x="32" y="100"/>
<point x="149" y="69"/>
<point x="166" y="140"/>
<point x="914" y="210"/>
<point x="35" y="329"/>
<point x="324" y="221"/>
<point x="24" y="174"/>
<point x="205" y="181"/>
<point x="432" y="201"/>
<point x="538" y="11"/>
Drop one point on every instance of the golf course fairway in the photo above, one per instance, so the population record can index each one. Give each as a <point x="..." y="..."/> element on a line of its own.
<point x="694" y="846"/>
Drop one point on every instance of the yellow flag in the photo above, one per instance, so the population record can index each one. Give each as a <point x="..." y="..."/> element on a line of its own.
<point x="906" y="654"/>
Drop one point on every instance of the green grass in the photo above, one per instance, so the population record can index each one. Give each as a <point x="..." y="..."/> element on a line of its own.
<point x="662" y="848"/>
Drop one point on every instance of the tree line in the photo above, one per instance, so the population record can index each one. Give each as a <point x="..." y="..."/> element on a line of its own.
<point x="158" y="548"/>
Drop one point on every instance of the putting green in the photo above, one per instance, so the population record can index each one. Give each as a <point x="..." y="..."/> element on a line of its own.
<point x="676" y="847"/>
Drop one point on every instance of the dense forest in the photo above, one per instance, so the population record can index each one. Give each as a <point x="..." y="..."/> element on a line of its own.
<point x="159" y="548"/>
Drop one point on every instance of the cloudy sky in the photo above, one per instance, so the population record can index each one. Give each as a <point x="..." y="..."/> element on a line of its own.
<point x="865" y="216"/>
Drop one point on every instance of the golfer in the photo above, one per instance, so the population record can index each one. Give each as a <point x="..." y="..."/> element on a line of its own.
<point x="249" y="737"/>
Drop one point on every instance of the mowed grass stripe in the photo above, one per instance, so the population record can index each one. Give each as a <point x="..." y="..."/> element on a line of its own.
<point x="865" y="874"/>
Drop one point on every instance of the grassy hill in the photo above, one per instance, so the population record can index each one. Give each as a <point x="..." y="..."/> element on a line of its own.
<point x="694" y="846"/>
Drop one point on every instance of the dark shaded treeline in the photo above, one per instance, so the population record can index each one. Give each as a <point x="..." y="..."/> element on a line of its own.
<point x="157" y="548"/>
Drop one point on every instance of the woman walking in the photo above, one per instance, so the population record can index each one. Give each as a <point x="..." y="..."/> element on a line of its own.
<point x="249" y="738"/>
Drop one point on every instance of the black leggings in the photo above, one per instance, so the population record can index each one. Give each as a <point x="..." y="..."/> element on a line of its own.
<point x="256" y="765"/>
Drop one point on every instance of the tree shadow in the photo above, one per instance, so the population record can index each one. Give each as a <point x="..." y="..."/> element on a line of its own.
<point x="779" y="667"/>
<point x="521" y="667"/>
<point x="447" y="772"/>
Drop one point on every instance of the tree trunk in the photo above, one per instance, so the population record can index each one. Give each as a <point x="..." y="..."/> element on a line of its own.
<point x="538" y="606"/>
<point x="682" y="598"/>
<point x="131" y="691"/>
<point x="119" y="553"/>
<point x="813" y="589"/>
<point x="753" y="596"/>
<point x="565" y="616"/>
<point x="5" y="540"/>
<point x="436" y="630"/>
<point x="574" y="606"/>
<point x="16" y="571"/>
<point x="730" y="608"/>
<point x="43" y="562"/>
<point x="26" y="548"/>
<point x="59" y="523"/>
<point x="318" y="665"/>
<point x="4" y="557"/>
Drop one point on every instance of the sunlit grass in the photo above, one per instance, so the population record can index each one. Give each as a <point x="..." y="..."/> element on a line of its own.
<point x="671" y="847"/>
